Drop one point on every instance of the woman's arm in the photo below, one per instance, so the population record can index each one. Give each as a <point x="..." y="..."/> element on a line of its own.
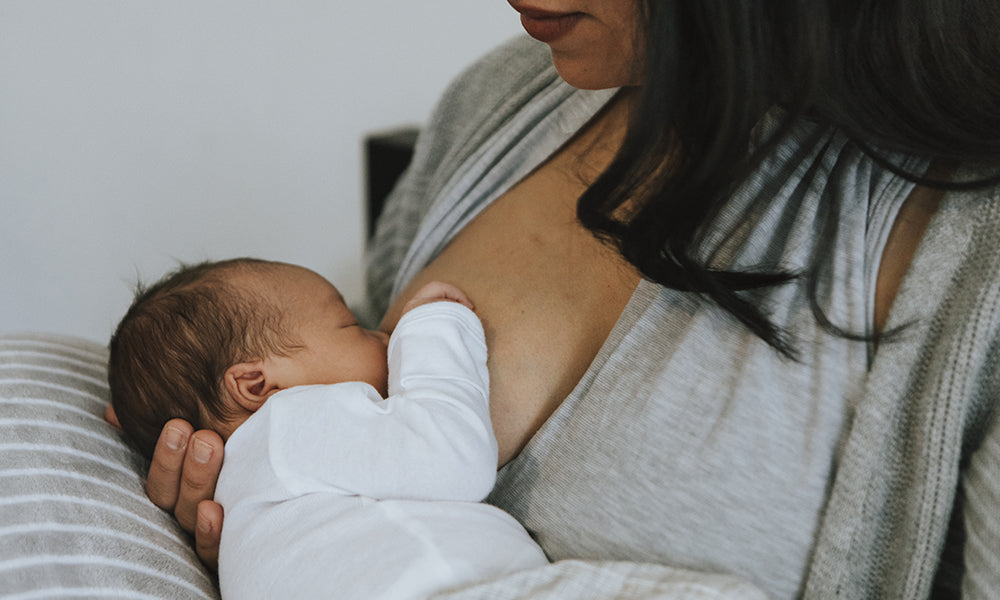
<point x="981" y="515"/>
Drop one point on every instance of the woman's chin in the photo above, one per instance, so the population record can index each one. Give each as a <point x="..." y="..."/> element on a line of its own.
<point x="584" y="76"/>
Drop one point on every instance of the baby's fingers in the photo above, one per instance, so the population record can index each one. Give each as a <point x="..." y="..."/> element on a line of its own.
<point x="437" y="291"/>
<point x="450" y="292"/>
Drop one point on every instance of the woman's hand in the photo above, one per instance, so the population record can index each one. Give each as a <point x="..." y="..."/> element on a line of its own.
<point x="182" y="479"/>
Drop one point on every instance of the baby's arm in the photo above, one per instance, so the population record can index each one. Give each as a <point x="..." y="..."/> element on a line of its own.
<point x="430" y="439"/>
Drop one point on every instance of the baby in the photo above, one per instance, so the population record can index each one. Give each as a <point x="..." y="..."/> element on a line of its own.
<point x="355" y="463"/>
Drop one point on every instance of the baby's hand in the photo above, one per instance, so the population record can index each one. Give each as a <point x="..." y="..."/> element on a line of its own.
<point x="437" y="291"/>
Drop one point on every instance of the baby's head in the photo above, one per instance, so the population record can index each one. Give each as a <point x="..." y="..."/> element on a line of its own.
<point x="211" y="342"/>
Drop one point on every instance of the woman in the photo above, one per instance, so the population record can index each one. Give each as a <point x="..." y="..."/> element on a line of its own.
<point x="684" y="242"/>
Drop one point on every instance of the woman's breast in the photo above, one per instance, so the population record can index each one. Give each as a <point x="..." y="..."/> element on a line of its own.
<point x="548" y="293"/>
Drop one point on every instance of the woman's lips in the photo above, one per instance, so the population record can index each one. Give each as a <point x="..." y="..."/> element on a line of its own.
<point x="546" y="26"/>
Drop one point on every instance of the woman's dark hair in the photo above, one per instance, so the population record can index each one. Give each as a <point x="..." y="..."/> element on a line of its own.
<point x="920" y="77"/>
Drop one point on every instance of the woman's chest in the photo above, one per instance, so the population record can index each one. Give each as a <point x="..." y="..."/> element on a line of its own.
<point x="548" y="293"/>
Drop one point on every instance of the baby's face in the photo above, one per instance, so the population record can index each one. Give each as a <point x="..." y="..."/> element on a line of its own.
<point x="334" y="348"/>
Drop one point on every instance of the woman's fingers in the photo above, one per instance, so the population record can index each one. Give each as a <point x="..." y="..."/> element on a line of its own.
<point x="208" y="533"/>
<point x="182" y="477"/>
<point x="164" y="481"/>
<point x="184" y="470"/>
<point x="111" y="417"/>
<point x="202" y="464"/>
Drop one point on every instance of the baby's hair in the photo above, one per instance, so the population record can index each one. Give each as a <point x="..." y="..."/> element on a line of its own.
<point x="172" y="348"/>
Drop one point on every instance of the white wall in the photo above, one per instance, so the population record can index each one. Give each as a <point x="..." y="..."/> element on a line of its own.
<point x="137" y="132"/>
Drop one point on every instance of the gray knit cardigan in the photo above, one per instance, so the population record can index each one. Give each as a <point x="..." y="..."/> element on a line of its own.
<point x="914" y="508"/>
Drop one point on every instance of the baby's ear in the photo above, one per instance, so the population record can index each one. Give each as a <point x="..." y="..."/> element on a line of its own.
<point x="248" y="385"/>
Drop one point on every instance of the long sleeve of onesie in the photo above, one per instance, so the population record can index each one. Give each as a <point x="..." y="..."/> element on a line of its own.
<point x="431" y="439"/>
<point x="331" y="489"/>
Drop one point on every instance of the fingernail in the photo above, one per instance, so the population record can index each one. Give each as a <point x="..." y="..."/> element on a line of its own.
<point x="202" y="451"/>
<point x="174" y="439"/>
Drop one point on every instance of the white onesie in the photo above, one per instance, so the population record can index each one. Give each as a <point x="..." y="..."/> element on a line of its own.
<point x="331" y="491"/>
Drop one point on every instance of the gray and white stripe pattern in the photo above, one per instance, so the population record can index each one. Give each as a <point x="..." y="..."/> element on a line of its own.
<point x="74" y="519"/>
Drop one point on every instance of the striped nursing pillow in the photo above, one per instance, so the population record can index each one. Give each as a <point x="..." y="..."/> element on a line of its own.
<point x="74" y="520"/>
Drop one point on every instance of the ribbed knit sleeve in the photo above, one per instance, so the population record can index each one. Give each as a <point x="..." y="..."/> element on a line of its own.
<point x="981" y="486"/>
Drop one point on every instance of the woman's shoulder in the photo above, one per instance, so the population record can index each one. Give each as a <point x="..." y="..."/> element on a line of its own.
<point x="971" y="214"/>
<point x="491" y="90"/>
<point x="953" y="285"/>
<point x="489" y="80"/>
